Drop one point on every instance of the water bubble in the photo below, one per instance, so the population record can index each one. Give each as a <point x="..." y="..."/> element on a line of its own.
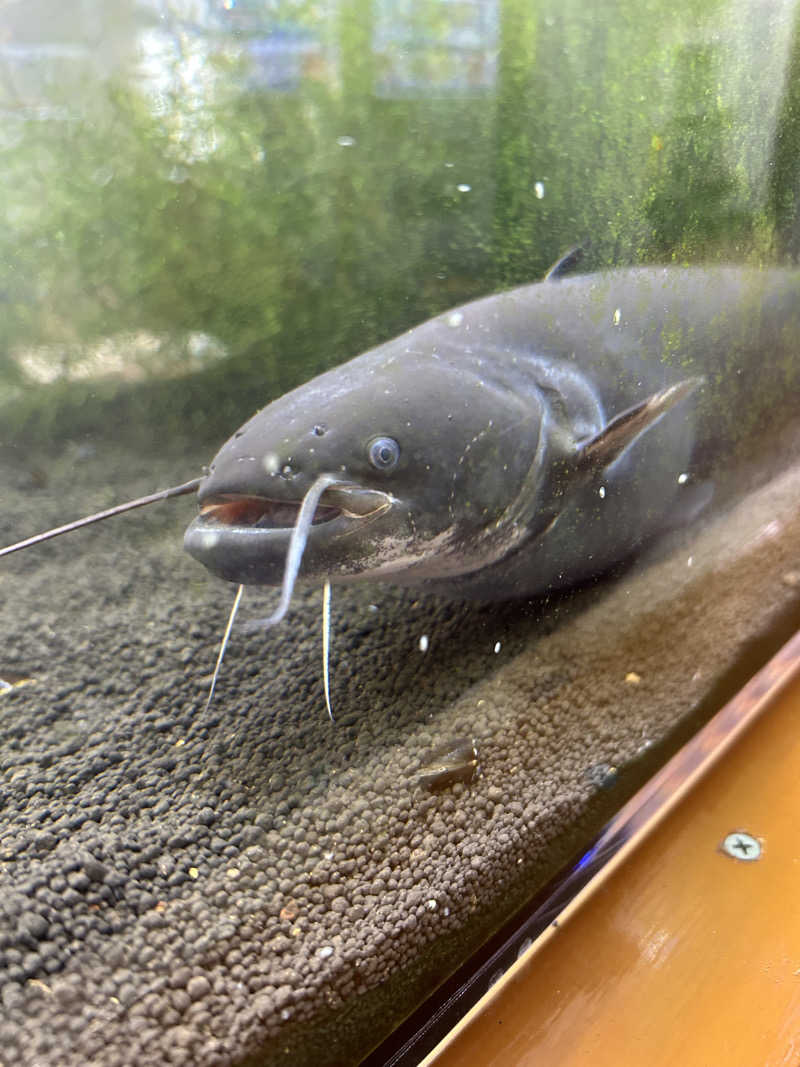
<point x="617" y="316"/>
<point x="538" y="188"/>
<point x="464" y="188"/>
<point x="424" y="643"/>
<point x="345" y="141"/>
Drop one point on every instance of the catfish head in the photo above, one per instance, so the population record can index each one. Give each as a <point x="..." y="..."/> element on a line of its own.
<point x="403" y="465"/>
<point x="411" y="463"/>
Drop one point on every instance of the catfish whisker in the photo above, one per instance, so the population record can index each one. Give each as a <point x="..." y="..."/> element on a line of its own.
<point x="118" y="509"/>
<point x="294" y="554"/>
<point x="223" y="646"/>
<point x="326" y="645"/>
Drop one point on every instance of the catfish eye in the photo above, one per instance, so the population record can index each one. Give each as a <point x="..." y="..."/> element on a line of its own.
<point x="383" y="453"/>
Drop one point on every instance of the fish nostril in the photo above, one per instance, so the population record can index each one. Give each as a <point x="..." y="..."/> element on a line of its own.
<point x="319" y="430"/>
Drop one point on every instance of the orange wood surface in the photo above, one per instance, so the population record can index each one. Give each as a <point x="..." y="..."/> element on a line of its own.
<point x="681" y="955"/>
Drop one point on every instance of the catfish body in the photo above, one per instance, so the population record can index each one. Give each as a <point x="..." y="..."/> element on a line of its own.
<point x="520" y="443"/>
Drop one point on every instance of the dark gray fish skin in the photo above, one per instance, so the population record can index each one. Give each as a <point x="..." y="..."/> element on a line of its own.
<point x="492" y="405"/>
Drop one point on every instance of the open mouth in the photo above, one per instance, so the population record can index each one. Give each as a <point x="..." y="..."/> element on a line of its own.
<point x="260" y="540"/>
<point x="258" y="512"/>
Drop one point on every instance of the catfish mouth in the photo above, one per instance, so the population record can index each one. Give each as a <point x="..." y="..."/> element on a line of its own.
<point x="261" y="540"/>
<point x="239" y="511"/>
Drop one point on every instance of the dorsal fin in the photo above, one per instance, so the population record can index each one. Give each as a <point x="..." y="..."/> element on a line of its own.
<point x="565" y="264"/>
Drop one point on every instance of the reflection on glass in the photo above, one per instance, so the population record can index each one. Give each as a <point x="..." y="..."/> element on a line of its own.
<point x="208" y="204"/>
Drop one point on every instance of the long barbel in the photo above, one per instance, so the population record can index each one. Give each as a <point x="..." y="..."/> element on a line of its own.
<point x="109" y="513"/>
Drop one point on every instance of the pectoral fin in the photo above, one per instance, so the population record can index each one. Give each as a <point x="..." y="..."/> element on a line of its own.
<point x="608" y="445"/>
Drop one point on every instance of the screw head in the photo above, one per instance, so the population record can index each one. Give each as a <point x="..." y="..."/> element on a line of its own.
<point x="742" y="846"/>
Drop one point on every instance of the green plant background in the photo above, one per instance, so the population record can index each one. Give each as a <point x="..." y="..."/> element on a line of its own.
<point x="297" y="225"/>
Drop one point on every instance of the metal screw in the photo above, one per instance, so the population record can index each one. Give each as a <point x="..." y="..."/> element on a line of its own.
<point x="742" y="846"/>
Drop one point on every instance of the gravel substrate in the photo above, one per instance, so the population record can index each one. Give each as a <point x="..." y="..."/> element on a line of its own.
<point x="254" y="884"/>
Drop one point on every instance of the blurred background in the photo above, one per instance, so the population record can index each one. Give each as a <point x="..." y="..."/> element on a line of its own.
<point x="208" y="201"/>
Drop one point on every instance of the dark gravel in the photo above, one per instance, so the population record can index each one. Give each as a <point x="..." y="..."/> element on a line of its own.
<point x="252" y="884"/>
